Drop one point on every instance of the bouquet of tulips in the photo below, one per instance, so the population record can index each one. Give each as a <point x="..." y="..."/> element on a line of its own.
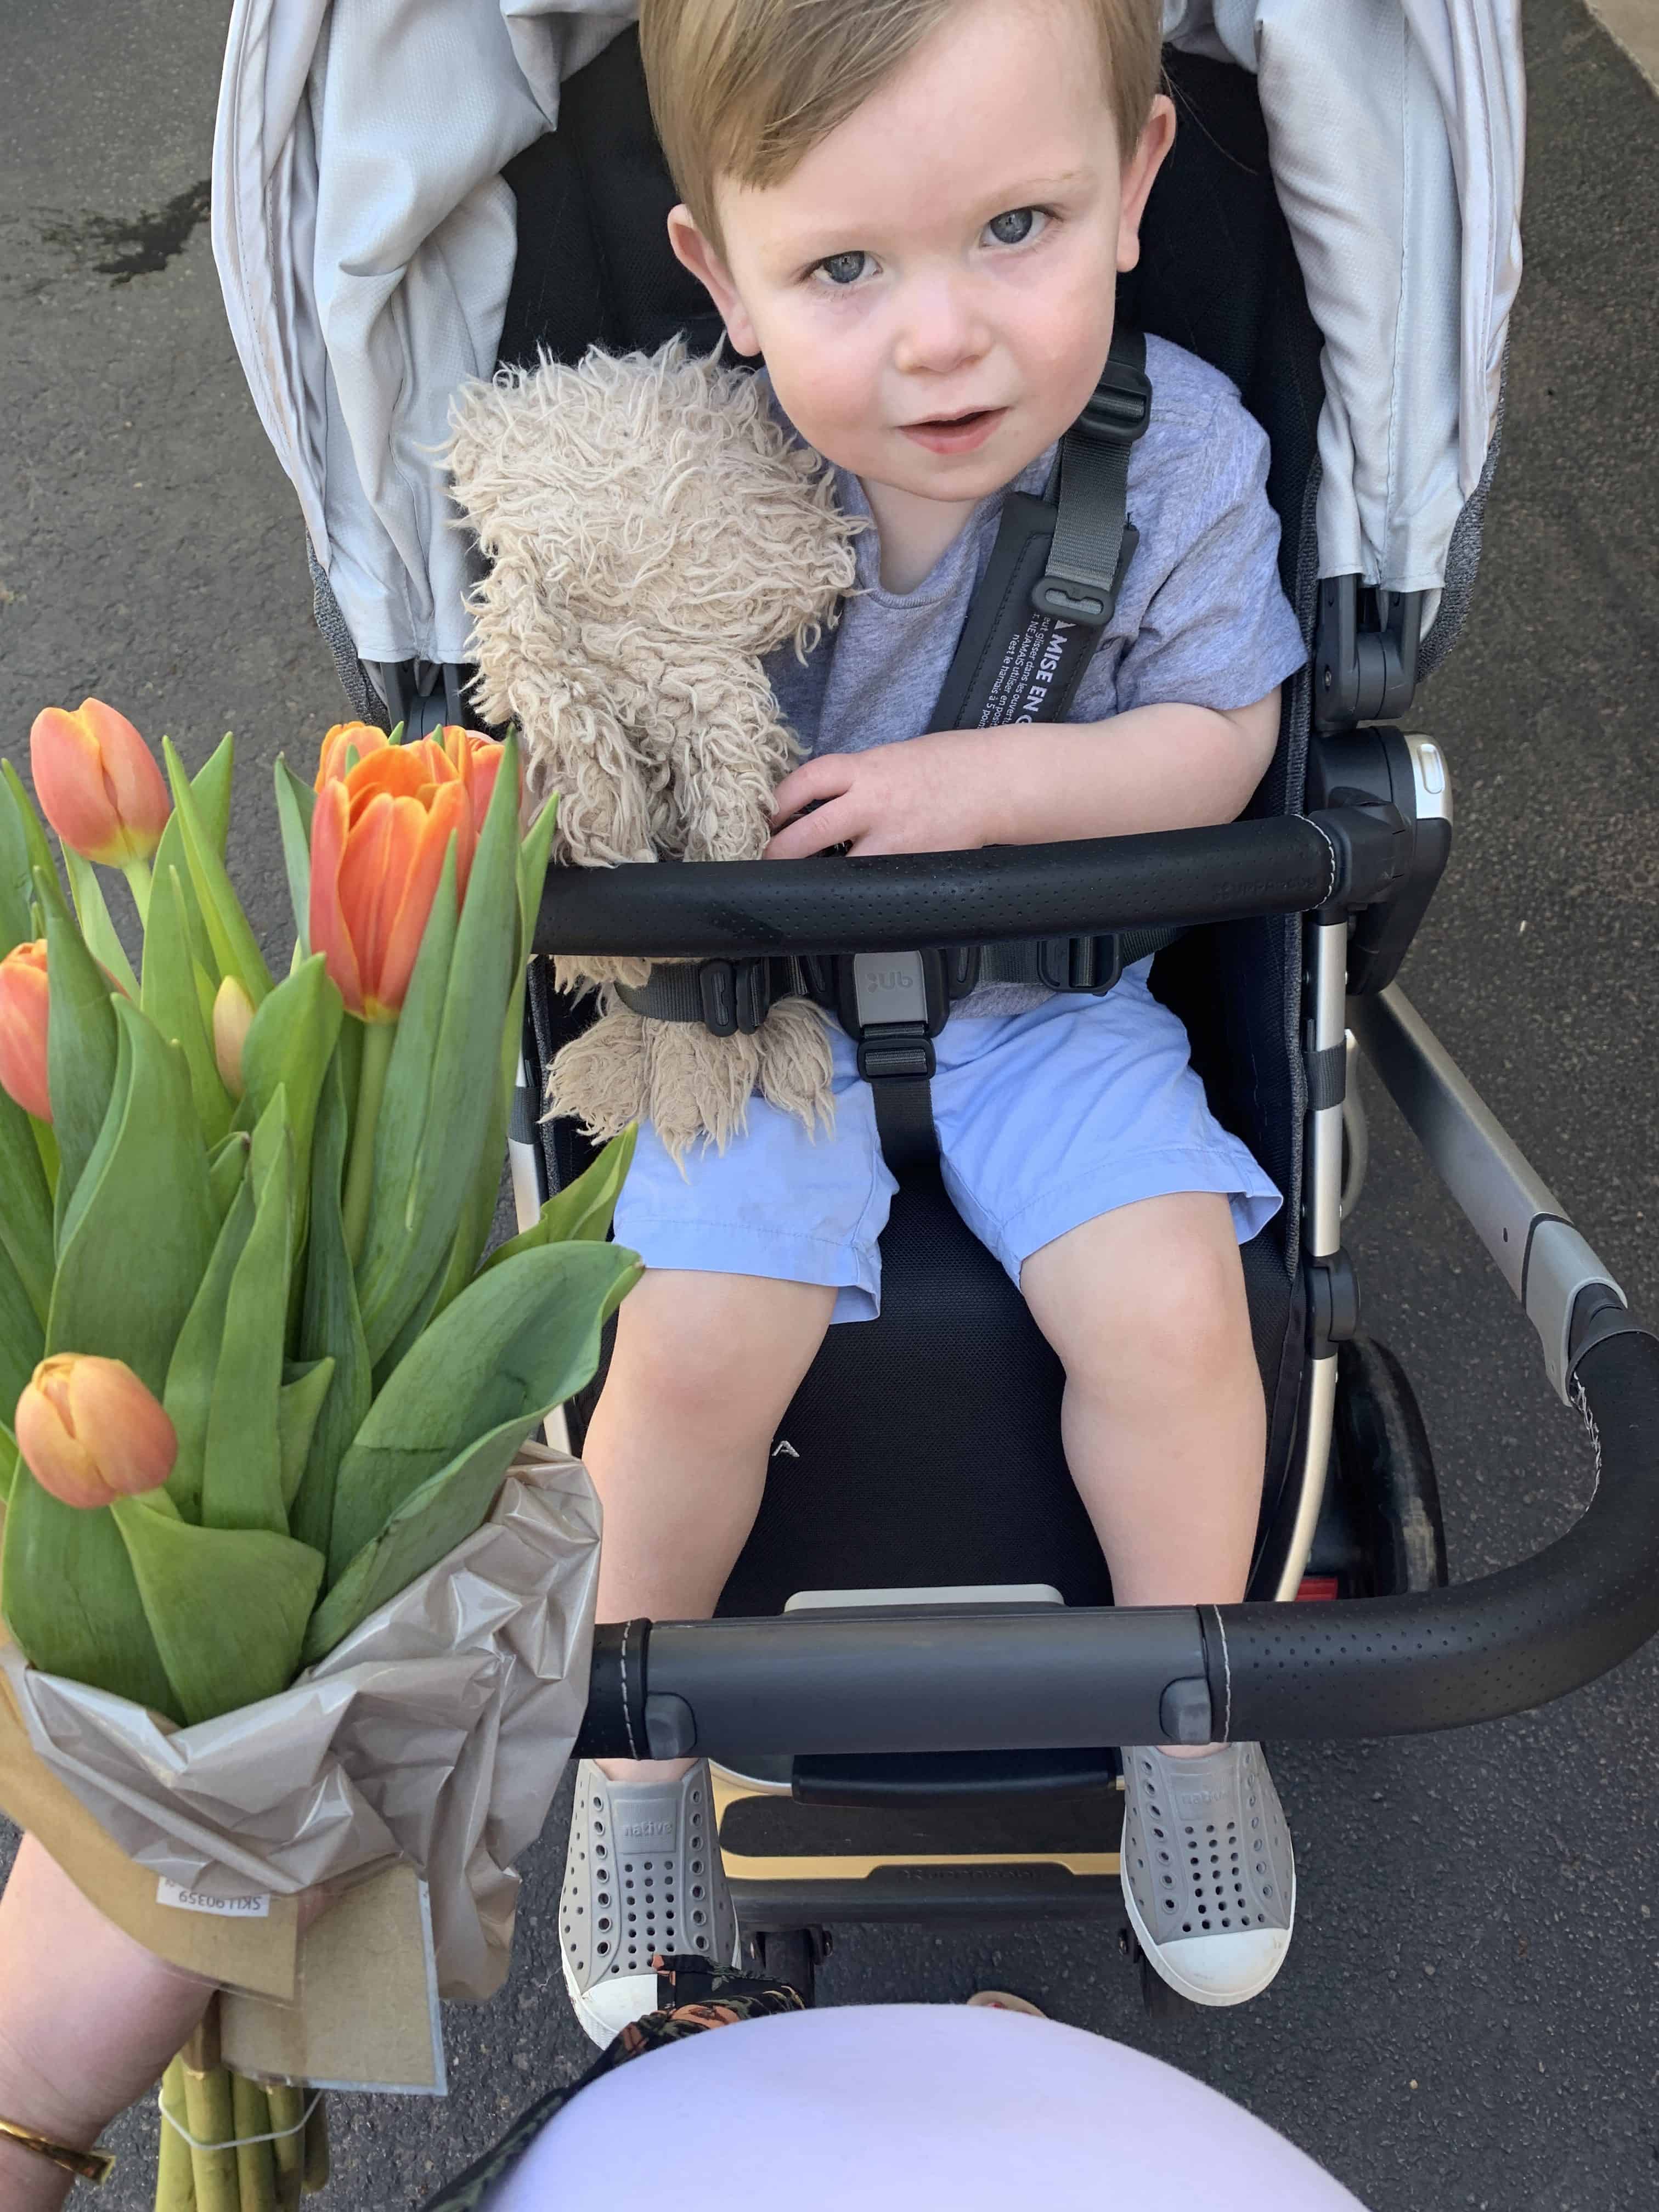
<point x="264" y="1375"/>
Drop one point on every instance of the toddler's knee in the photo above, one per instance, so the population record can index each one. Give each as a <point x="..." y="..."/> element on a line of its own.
<point x="1183" y="1321"/>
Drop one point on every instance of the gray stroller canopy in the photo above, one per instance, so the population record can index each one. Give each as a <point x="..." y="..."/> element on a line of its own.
<point x="365" y="241"/>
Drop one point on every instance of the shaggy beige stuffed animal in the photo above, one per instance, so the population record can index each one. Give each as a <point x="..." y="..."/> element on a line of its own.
<point x="651" y="531"/>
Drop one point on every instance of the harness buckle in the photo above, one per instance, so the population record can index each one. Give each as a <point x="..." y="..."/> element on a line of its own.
<point x="896" y="1049"/>
<point x="1119" y="406"/>
<point x="736" y="994"/>
<point x="882" y="993"/>
<point x="1090" y="965"/>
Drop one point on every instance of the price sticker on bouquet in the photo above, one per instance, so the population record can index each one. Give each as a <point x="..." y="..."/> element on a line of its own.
<point x="223" y="1908"/>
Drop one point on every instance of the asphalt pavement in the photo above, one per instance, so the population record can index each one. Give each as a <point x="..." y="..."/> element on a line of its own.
<point x="1470" y="2014"/>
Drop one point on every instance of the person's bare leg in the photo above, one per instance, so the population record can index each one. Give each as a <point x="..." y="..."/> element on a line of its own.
<point x="1162" y="1417"/>
<point x="703" y="1369"/>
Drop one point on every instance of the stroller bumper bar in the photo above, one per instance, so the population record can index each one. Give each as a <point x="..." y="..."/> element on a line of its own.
<point x="1051" y="1678"/>
<point x="1339" y="859"/>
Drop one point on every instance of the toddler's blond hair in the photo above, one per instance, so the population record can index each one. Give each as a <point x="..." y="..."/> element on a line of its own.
<point x="743" y="89"/>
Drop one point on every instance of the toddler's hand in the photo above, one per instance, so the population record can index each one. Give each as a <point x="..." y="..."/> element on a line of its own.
<point x="937" y="793"/>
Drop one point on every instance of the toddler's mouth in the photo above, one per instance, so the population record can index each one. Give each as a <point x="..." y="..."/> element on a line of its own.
<point x="955" y="434"/>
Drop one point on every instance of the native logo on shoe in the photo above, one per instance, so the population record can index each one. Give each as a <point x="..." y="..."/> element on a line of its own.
<point x="645" y="1832"/>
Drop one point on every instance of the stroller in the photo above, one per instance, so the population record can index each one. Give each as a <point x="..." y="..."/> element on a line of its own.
<point x="916" y="1684"/>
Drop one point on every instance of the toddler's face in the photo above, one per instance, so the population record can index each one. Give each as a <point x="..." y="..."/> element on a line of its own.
<point x="933" y="286"/>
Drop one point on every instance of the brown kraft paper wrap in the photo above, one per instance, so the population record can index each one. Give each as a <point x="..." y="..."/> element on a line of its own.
<point x="434" y="1735"/>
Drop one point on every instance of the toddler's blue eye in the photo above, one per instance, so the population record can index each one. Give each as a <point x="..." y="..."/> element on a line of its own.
<point x="1013" y="227"/>
<point x="844" y="268"/>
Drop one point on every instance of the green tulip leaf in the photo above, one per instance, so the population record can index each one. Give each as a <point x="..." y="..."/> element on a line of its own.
<point x="536" y="843"/>
<point x="235" y="949"/>
<point x="329" y="1325"/>
<point x="517" y="1342"/>
<point x="478" y="1214"/>
<point x="8" y="1468"/>
<point x="394" y="1132"/>
<point x="483" y="1198"/>
<point x="172" y="1000"/>
<point x="230" y="1605"/>
<point x="296" y="802"/>
<point x="82" y="1049"/>
<point x="581" y="1213"/>
<point x="437" y="1294"/>
<point x="210" y="787"/>
<point x="408" y="1241"/>
<point x="304" y="1388"/>
<point x="25" y="1237"/>
<point x="71" y="1600"/>
<point x="23" y="848"/>
<point x="23" y="1337"/>
<point x="96" y="925"/>
<point x="227" y="1166"/>
<point x="138" y="1237"/>
<point x="188" y="1396"/>
<point x="288" y="1046"/>
<point x="242" y="1463"/>
<point x="426" y="1527"/>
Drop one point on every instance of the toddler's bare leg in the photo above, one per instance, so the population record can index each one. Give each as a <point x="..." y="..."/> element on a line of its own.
<point x="1162" y="1417"/>
<point x="704" y="1369"/>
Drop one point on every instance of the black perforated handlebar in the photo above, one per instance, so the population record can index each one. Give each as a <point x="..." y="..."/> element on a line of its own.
<point x="1348" y="856"/>
<point x="1047" y="1677"/>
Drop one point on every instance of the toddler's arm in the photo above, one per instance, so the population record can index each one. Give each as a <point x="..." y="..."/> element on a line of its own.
<point x="1163" y="767"/>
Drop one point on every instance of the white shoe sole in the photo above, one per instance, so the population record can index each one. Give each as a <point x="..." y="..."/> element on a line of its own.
<point x="1195" y="1992"/>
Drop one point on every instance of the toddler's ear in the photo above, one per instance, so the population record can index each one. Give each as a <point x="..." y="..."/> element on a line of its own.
<point x="693" y="251"/>
<point x="1138" y="171"/>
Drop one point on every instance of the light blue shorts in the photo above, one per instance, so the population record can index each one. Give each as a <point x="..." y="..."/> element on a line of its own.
<point x="1045" y="1118"/>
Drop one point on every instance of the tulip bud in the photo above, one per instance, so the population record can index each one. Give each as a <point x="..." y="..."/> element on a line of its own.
<point x="89" y="1432"/>
<point x="341" y="742"/>
<point x="24" y="1007"/>
<point x="233" y="1018"/>
<point x="98" y="783"/>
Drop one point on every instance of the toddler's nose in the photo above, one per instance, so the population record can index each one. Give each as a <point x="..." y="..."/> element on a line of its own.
<point x="940" y="328"/>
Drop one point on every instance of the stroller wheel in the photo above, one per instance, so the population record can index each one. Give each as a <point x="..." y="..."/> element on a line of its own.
<point x="1385" y="1476"/>
<point x="790" y="1956"/>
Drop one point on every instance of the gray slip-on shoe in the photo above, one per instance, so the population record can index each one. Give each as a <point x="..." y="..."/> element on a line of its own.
<point x="1209" y="1875"/>
<point x="642" y="1875"/>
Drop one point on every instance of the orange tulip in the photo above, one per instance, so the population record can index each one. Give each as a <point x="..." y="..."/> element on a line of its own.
<point x="378" y="841"/>
<point x="362" y="738"/>
<point x="24" y="1009"/>
<point x="91" y="1432"/>
<point x="98" y="783"/>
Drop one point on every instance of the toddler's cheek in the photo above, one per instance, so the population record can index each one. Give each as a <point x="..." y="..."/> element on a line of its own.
<point x="829" y="398"/>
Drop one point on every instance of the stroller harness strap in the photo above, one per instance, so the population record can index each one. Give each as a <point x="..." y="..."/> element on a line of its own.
<point x="1049" y="590"/>
<point x="1056" y="568"/>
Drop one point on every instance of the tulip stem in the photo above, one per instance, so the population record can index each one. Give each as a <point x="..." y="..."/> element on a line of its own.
<point x="360" y="1170"/>
<point x="138" y="875"/>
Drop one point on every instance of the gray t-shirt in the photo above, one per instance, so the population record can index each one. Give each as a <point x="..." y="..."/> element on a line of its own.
<point x="1200" y="621"/>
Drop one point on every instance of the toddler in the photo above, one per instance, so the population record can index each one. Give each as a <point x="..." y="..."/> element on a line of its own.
<point x="915" y="210"/>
